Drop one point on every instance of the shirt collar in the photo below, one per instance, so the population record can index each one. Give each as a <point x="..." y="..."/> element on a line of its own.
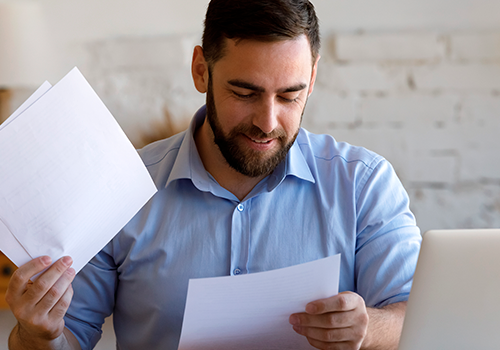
<point x="295" y="164"/>
<point x="188" y="164"/>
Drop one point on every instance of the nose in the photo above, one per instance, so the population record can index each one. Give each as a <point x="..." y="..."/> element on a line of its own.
<point x="266" y="118"/>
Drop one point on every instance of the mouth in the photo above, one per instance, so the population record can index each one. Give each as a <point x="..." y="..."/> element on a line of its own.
<point x="261" y="141"/>
<point x="260" y="144"/>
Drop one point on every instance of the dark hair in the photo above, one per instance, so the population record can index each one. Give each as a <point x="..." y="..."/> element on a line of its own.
<point x="265" y="20"/>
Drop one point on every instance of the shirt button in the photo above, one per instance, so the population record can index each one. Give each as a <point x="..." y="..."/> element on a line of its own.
<point x="240" y="207"/>
<point x="237" y="271"/>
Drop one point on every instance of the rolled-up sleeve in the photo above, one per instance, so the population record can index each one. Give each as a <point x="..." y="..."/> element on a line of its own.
<point x="93" y="300"/>
<point x="388" y="240"/>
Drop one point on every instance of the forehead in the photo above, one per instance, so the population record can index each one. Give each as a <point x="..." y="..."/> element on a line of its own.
<point x="266" y="62"/>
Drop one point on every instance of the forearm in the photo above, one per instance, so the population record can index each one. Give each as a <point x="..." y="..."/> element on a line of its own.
<point x="384" y="327"/>
<point x="19" y="340"/>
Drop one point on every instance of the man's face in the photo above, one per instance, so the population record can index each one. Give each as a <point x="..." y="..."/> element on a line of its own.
<point x="256" y="96"/>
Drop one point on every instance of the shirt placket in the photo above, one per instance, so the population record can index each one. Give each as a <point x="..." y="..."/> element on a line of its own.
<point x="240" y="238"/>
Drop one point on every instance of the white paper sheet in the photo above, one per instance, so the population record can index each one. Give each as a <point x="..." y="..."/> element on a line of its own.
<point x="16" y="251"/>
<point x="70" y="177"/>
<point x="32" y="99"/>
<point x="251" y="312"/>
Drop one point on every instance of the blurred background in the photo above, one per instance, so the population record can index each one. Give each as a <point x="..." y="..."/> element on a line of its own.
<point x="417" y="81"/>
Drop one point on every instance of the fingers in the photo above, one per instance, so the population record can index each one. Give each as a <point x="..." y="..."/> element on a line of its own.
<point x="328" y="320"/>
<point x="334" y="346"/>
<point x="40" y="306"/>
<point x="345" y="301"/>
<point x="334" y="335"/>
<point x="59" y="310"/>
<point x="22" y="275"/>
<point x="54" y="295"/>
<point x="51" y="285"/>
<point x="334" y="312"/>
<point x="62" y="305"/>
<point x="323" y="337"/>
<point x="339" y="322"/>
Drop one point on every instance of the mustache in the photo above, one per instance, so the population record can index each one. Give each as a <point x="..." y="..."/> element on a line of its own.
<point x="256" y="133"/>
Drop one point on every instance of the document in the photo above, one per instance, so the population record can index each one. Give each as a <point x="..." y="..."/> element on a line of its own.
<point x="70" y="178"/>
<point x="16" y="251"/>
<point x="251" y="312"/>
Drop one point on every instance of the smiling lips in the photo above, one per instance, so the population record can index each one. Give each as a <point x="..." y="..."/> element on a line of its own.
<point x="263" y="144"/>
<point x="261" y="141"/>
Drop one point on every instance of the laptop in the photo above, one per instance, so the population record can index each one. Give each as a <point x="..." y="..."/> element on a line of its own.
<point x="455" y="299"/>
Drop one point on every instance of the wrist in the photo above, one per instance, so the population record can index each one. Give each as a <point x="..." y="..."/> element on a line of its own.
<point x="21" y="339"/>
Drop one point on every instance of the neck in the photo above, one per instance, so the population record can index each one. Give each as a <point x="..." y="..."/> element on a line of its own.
<point x="214" y="162"/>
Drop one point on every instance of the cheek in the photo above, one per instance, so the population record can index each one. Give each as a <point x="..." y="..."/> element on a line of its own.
<point x="290" y="121"/>
<point x="232" y="113"/>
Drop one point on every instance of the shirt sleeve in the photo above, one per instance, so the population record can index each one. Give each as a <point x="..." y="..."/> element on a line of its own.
<point x="388" y="240"/>
<point x="93" y="300"/>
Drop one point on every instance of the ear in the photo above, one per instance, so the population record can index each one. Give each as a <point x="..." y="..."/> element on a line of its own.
<point x="199" y="70"/>
<point x="313" y="75"/>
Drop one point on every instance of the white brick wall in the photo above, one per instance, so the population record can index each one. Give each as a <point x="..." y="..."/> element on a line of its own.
<point x="389" y="47"/>
<point x="476" y="47"/>
<point x="359" y="77"/>
<point x="420" y="111"/>
<point x="455" y="76"/>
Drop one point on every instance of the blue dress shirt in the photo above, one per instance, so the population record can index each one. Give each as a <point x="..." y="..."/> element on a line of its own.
<point x="326" y="198"/>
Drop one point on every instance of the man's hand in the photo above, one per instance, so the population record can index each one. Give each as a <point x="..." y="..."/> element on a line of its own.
<point x="339" y="322"/>
<point x="40" y="306"/>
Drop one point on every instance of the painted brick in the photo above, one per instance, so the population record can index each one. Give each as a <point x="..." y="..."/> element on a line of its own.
<point x="389" y="47"/>
<point x="479" y="154"/>
<point x="360" y="77"/>
<point x="153" y="52"/>
<point x="412" y="110"/>
<point x="448" y="141"/>
<point x="326" y="108"/>
<point x="481" y="110"/>
<point x="458" y="76"/>
<point x="476" y="131"/>
<point x="472" y="205"/>
<point x="475" y="47"/>
<point x="428" y="168"/>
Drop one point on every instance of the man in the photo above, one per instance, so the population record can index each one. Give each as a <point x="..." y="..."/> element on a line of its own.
<point x="243" y="190"/>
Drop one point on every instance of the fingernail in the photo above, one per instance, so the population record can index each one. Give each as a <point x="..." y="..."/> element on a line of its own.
<point x="311" y="308"/>
<point x="67" y="261"/>
<point x="294" y="320"/>
<point x="46" y="260"/>
<point x="70" y="271"/>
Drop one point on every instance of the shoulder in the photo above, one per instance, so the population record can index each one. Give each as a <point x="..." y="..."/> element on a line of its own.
<point x="159" y="157"/>
<point x="158" y="151"/>
<point x="324" y="153"/>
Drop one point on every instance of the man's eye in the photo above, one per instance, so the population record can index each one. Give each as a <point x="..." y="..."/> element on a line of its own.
<point x="288" y="100"/>
<point x="243" y="96"/>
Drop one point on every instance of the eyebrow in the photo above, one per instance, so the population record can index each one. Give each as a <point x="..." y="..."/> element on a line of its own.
<point x="253" y="87"/>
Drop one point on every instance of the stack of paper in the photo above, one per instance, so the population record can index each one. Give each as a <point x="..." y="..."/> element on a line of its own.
<point x="70" y="178"/>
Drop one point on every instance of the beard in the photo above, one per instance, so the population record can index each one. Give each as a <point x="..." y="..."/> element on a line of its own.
<point x="244" y="160"/>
